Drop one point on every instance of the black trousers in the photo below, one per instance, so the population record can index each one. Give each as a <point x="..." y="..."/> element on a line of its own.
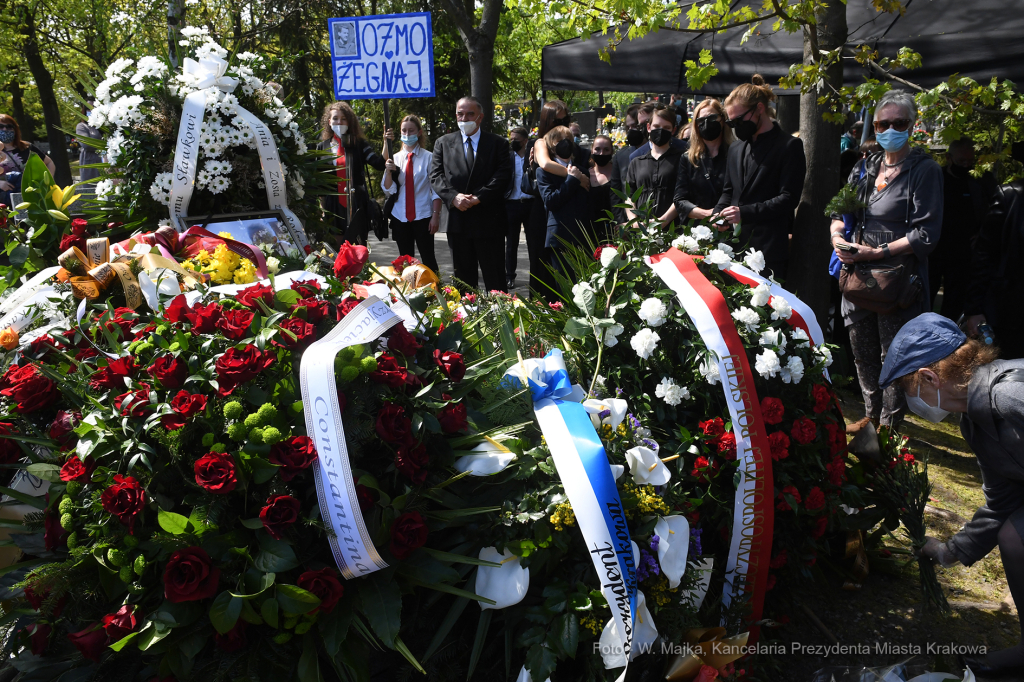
<point x="949" y="271"/>
<point x="485" y="252"/>
<point x="518" y="217"/>
<point x="412" y="235"/>
<point x="541" y="281"/>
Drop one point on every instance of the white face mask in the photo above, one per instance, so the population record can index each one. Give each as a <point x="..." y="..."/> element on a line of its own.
<point x="922" y="409"/>
<point x="339" y="130"/>
<point x="467" y="127"/>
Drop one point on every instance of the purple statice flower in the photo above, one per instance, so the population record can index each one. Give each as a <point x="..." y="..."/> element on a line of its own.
<point x="618" y="392"/>
<point x="654" y="543"/>
<point x="604" y="414"/>
<point x="651" y="444"/>
<point x="648" y="566"/>
<point x="695" y="548"/>
<point x="634" y="423"/>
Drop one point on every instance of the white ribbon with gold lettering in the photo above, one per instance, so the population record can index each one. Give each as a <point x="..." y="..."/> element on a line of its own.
<point x="339" y="505"/>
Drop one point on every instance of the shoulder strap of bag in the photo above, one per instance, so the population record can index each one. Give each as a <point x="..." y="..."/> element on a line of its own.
<point x="1012" y="375"/>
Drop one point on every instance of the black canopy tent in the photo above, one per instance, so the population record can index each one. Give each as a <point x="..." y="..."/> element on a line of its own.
<point x="980" y="39"/>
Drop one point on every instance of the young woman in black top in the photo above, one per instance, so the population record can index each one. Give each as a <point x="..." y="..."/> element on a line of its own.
<point x="601" y="199"/>
<point x="342" y="135"/>
<point x="701" y="173"/>
<point x="655" y="171"/>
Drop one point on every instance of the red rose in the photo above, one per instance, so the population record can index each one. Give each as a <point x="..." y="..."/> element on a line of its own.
<point x="392" y="424"/>
<point x="234" y="324"/>
<point x="411" y="461"/>
<point x="189" y="576"/>
<point x="215" y="473"/>
<point x="451" y="364"/>
<point x="772" y="411"/>
<point x="350" y="260"/>
<point x="408" y="533"/>
<point x="804" y="431"/>
<point x="783" y="504"/>
<point x="79" y="226"/>
<point x="203" y="318"/>
<point x="280" y="512"/>
<point x="820" y="526"/>
<point x="28" y="388"/>
<point x="600" y="248"/>
<point x="389" y="372"/>
<point x="76" y="470"/>
<point x="365" y="497"/>
<point x="815" y="499"/>
<point x="779" y="560"/>
<point x="345" y="307"/>
<point x="836" y="470"/>
<point x="453" y="418"/>
<point x="114" y="374"/>
<point x="307" y="288"/>
<point x="133" y="403"/>
<point x="325" y="585"/>
<point x="9" y="450"/>
<point x="238" y="366"/>
<point x="316" y="309"/>
<point x="727" y="445"/>
<point x="185" y="405"/>
<point x="232" y="640"/>
<point x="69" y="240"/>
<point x="303" y="332"/>
<point x="250" y="297"/>
<point x="293" y="455"/>
<point x="121" y="623"/>
<point x="42" y="346"/>
<point x="401" y="341"/>
<point x="62" y="428"/>
<point x="54" y="535"/>
<point x="712" y="427"/>
<point x="38" y="637"/>
<point x="123" y="323"/>
<point x="124" y="499"/>
<point x="779" y="443"/>
<point x="178" y="310"/>
<point x="402" y="262"/>
<point x="36" y="600"/>
<point x="169" y="371"/>
<point x="91" y="641"/>
<point x="822" y="398"/>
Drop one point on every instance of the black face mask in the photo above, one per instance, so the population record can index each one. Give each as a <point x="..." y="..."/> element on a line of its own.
<point x="959" y="171"/>
<point x="601" y="159"/>
<point x="563" y="149"/>
<point x="660" y="137"/>
<point x="564" y="121"/>
<point x="743" y="128"/>
<point x="517" y="146"/>
<point x="635" y="137"/>
<point x="709" y="127"/>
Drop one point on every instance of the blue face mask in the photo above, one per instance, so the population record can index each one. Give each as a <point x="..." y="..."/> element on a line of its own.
<point x="891" y="140"/>
<point x="410" y="140"/>
<point x="6" y="136"/>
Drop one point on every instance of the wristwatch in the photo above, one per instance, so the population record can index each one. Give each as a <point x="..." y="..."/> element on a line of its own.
<point x="885" y="250"/>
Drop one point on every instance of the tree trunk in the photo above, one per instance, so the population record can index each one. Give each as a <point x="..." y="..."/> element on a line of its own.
<point x="175" y="15"/>
<point x="808" y="263"/>
<point x="479" y="42"/>
<point x="47" y="98"/>
<point x="25" y="122"/>
<point x="481" y="71"/>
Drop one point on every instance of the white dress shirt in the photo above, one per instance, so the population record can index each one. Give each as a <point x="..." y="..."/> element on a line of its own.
<point x="423" y="192"/>
<point x="517" y="178"/>
<point x="476" y="142"/>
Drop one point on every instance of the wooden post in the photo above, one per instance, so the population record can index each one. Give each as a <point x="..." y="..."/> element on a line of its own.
<point x="387" y="124"/>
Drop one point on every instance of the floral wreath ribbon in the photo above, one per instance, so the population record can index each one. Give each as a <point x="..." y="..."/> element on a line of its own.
<point x="91" y="273"/>
<point x="705" y="647"/>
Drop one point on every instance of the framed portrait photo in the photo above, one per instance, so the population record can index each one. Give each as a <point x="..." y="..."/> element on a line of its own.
<point x="258" y="228"/>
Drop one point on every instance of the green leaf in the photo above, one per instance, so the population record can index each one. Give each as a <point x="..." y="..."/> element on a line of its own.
<point x="153" y="635"/>
<point x="269" y="611"/>
<point x="37" y="502"/>
<point x="47" y="472"/>
<point x="540" y="661"/>
<point x="458" y="606"/>
<point x="276" y="556"/>
<point x="252" y="524"/>
<point x="577" y="328"/>
<point x="567" y="633"/>
<point x="175" y="524"/>
<point x="381" y="603"/>
<point x="262" y="470"/>
<point x="309" y="668"/>
<point x="334" y="628"/>
<point x="285" y="299"/>
<point x="224" y="612"/>
<point x="119" y="644"/>
<point x="482" y="626"/>
<point x="296" y="600"/>
<point x="401" y="648"/>
<point x="459" y="558"/>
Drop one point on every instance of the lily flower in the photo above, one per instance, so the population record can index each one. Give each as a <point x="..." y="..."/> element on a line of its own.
<point x="673" y="545"/>
<point x="488" y="458"/>
<point x="507" y="584"/>
<point x="646" y="467"/>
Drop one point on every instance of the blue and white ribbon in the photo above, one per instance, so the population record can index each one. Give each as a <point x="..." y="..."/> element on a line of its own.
<point x="586" y="475"/>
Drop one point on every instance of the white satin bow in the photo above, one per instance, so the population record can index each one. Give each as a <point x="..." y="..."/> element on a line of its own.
<point x="209" y="72"/>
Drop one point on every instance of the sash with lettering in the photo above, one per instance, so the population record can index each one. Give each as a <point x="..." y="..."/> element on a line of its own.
<point x="353" y="549"/>
<point x="753" y="508"/>
<point x="583" y="468"/>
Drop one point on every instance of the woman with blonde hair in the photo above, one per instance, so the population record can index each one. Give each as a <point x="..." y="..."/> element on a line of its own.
<point x="342" y="135"/>
<point x="701" y="174"/>
<point x="417" y="211"/>
<point x="764" y="175"/>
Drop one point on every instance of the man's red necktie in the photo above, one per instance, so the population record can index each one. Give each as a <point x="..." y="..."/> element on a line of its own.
<point x="410" y="191"/>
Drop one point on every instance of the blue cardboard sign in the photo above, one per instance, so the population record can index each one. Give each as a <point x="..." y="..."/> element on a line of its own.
<point x="384" y="56"/>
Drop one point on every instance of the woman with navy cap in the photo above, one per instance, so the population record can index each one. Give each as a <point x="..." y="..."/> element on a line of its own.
<point x="942" y="371"/>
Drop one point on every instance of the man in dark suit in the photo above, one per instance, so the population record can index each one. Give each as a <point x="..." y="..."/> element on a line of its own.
<point x="471" y="171"/>
<point x="620" y="161"/>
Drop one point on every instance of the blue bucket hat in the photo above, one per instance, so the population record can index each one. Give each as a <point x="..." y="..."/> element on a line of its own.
<point x="925" y="339"/>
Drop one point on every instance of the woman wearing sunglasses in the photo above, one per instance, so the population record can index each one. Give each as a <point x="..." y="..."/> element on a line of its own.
<point x="14" y="157"/>
<point x="900" y="227"/>
<point x="701" y="174"/>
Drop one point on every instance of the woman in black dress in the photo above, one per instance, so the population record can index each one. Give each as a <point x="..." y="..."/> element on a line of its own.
<point x="343" y="137"/>
<point x="701" y="174"/>
<point x="601" y="155"/>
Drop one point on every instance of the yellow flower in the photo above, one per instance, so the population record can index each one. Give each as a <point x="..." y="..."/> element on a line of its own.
<point x="225" y="235"/>
<point x="246" y="272"/>
<point x="563" y="516"/>
<point x="659" y="592"/>
<point x="591" y="622"/>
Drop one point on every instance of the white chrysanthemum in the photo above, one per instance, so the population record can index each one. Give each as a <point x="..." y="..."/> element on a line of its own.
<point x="701" y="233"/>
<point x="672" y="393"/>
<point x="754" y="260"/>
<point x="608" y="254"/>
<point x="125" y="111"/>
<point x="102" y="93"/>
<point x="726" y="249"/>
<point x="800" y="337"/>
<point x="781" y="308"/>
<point x="611" y="334"/>
<point x="246" y="57"/>
<point x="194" y="31"/>
<point x="203" y="178"/>
<point x="709" y="370"/>
<point x="748" y="317"/>
<point x="644" y="342"/>
<point x="767" y="364"/>
<point x="107" y="189"/>
<point x="98" y="115"/>
<point x="118" y="67"/>
<point x="772" y="338"/>
<point x="719" y="258"/>
<point x="115" y="145"/>
<point x="760" y="296"/>
<point x="793" y="372"/>
<point x="686" y="243"/>
<point x="825" y="353"/>
<point x="218" y="184"/>
<point x="653" y="311"/>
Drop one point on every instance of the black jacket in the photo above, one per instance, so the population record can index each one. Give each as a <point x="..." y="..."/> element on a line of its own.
<point x="994" y="428"/>
<point x="488" y="180"/>
<point x="700" y="186"/>
<point x="620" y="163"/>
<point x="765" y="179"/>
<point x="995" y="288"/>
<point x="568" y="208"/>
<point x="358" y="155"/>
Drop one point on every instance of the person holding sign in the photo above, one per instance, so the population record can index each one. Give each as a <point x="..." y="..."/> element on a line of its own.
<point x="342" y="135"/>
<point x="471" y="170"/>
<point x="416" y="215"/>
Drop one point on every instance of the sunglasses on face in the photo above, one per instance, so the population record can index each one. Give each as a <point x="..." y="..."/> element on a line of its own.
<point x="709" y="117"/>
<point x="733" y="122"/>
<point x="899" y="125"/>
<point x="4" y="126"/>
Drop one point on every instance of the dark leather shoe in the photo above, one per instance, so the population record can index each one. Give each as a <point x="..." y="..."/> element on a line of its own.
<point x="982" y="669"/>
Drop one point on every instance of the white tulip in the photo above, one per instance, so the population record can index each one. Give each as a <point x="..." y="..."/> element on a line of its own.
<point x="646" y="467"/>
<point x="506" y="585"/>
<point x="673" y="545"/>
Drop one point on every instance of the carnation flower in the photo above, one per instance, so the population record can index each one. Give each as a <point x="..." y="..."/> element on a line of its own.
<point x="793" y="372"/>
<point x="701" y="233"/>
<point x="644" y="342"/>
<point x="781" y="308"/>
<point x="760" y="295"/>
<point x="611" y="334"/>
<point x="754" y="260"/>
<point x="709" y="370"/>
<point x="653" y="311"/>
<point x="824" y="353"/>
<point x="685" y="243"/>
<point x="719" y="258"/>
<point x="748" y="317"/>
<point x="726" y="249"/>
<point x="767" y="364"/>
<point x="670" y="392"/>
<point x="800" y="337"/>
<point x="772" y="338"/>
